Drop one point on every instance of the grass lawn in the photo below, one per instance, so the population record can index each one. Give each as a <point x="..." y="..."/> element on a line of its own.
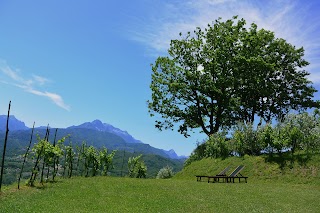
<point x="111" y="194"/>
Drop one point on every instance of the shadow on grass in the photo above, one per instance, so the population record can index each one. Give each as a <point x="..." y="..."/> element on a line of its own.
<point x="287" y="160"/>
<point x="45" y="184"/>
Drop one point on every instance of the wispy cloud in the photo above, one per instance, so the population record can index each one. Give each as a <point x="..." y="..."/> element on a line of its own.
<point x="40" y="80"/>
<point x="14" y="77"/>
<point x="296" y="21"/>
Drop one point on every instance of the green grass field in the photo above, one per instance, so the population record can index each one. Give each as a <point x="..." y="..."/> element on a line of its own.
<point x="274" y="185"/>
<point x="113" y="194"/>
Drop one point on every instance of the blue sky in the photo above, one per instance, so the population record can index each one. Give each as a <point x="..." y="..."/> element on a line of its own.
<point x="67" y="62"/>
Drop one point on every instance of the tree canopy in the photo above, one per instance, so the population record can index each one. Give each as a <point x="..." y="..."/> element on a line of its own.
<point x="214" y="77"/>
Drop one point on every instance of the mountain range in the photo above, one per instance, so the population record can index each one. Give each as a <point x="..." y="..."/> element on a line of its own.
<point x="104" y="127"/>
<point x="94" y="133"/>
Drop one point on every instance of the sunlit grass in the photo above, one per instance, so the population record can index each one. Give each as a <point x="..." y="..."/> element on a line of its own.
<point x="259" y="169"/>
<point x="109" y="194"/>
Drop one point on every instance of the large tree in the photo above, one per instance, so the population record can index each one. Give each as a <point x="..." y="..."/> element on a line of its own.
<point x="226" y="73"/>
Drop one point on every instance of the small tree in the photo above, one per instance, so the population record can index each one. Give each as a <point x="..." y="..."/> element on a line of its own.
<point x="136" y="167"/>
<point x="58" y="152"/>
<point x="265" y="137"/>
<point x="106" y="160"/>
<point x="48" y="157"/>
<point x="69" y="159"/>
<point x="217" y="146"/>
<point x="245" y="139"/>
<point x="141" y="170"/>
<point x="38" y="153"/>
<point x="91" y="160"/>
<point x="301" y="132"/>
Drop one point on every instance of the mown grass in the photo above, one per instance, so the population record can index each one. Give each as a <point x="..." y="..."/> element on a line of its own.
<point x="113" y="194"/>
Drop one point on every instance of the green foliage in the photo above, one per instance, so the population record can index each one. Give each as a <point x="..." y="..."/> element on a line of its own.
<point x="69" y="153"/>
<point x="106" y="160"/>
<point x="165" y="173"/>
<point x="267" y="139"/>
<point x="245" y="140"/>
<point x="211" y="76"/>
<point x="14" y="161"/>
<point x="153" y="162"/>
<point x="296" y="133"/>
<point x="91" y="160"/>
<point x="302" y="132"/>
<point x="137" y="167"/>
<point x="217" y="146"/>
<point x="48" y="153"/>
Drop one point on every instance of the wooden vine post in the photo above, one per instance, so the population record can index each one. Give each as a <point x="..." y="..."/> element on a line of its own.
<point x="5" y="145"/>
<point x="25" y="156"/>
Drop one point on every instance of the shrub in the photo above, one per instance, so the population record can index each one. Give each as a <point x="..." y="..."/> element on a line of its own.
<point x="165" y="173"/>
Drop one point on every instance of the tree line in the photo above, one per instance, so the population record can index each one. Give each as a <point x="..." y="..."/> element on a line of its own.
<point x="297" y="133"/>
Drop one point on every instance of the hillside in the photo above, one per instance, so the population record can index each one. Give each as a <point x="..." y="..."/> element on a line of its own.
<point x="93" y="133"/>
<point x="153" y="162"/>
<point x="154" y="158"/>
<point x="259" y="168"/>
<point x="19" y="139"/>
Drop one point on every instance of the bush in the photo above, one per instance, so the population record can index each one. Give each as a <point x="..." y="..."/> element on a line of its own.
<point x="165" y="173"/>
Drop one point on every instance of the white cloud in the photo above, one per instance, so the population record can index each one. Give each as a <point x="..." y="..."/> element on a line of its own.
<point x="40" y="80"/>
<point x="9" y="72"/>
<point x="295" y="21"/>
<point x="15" y="78"/>
<point x="57" y="99"/>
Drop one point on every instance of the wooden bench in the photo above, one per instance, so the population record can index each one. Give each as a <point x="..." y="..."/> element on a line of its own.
<point x="200" y="176"/>
<point x="217" y="178"/>
<point x="228" y="179"/>
<point x="236" y="174"/>
<point x="221" y="174"/>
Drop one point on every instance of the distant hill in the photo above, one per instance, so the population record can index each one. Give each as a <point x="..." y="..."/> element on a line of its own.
<point x="135" y="144"/>
<point x="93" y="133"/>
<point x="104" y="127"/>
<point x="14" y="124"/>
<point x="154" y="158"/>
